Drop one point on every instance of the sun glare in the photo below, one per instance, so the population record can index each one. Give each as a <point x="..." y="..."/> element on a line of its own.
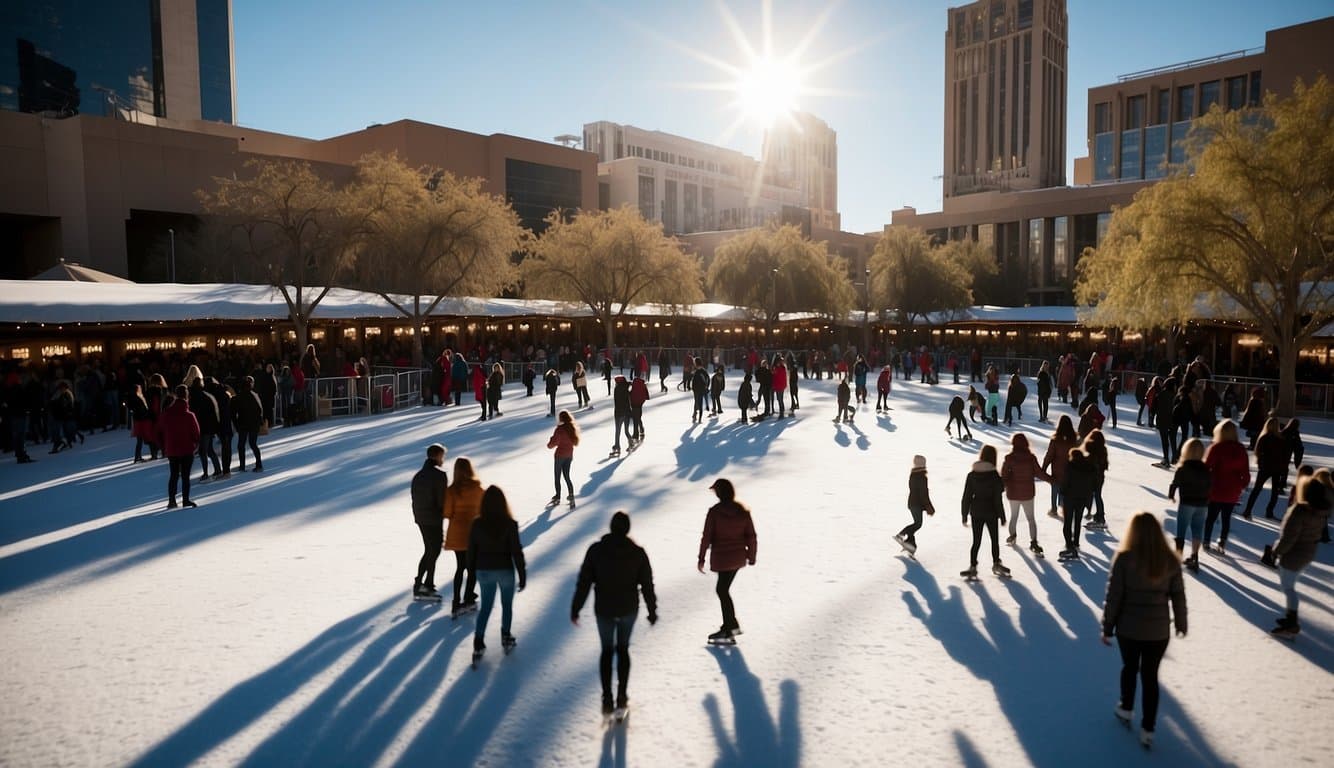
<point x="768" y="90"/>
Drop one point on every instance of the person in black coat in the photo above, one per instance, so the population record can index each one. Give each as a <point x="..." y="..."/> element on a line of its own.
<point x="428" y="508"/>
<point x="248" y="413"/>
<point x="621" y="414"/>
<point x="764" y="378"/>
<point x="495" y="554"/>
<point x="1044" y="390"/>
<point x="529" y="376"/>
<point x="552" y="380"/>
<point x="1077" y="489"/>
<point x="223" y="397"/>
<point x="744" y="397"/>
<point x="606" y="372"/>
<point x="618" y="570"/>
<point x="699" y="387"/>
<point x="205" y="409"/>
<point x="266" y="389"/>
<point x="1014" y="398"/>
<point x="956" y="417"/>
<point x="1162" y="418"/>
<point x="716" y="386"/>
<point x="919" y="501"/>
<point x="982" y="501"/>
<point x="1141" y="398"/>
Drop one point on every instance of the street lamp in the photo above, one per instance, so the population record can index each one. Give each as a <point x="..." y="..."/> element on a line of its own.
<point x="866" y="312"/>
<point x="773" y="299"/>
<point x="171" y="236"/>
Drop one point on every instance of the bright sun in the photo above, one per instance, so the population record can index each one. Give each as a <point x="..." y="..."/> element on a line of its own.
<point x="768" y="90"/>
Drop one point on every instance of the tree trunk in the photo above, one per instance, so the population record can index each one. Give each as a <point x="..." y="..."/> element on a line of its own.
<point x="302" y="328"/>
<point x="1287" y="377"/>
<point x="610" y="332"/>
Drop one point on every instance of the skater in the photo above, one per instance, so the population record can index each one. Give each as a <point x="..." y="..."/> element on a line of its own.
<point x="976" y="404"/>
<point x="982" y="501"/>
<point x="1145" y="577"/>
<point x="744" y="400"/>
<point x="621" y="415"/>
<point x="1056" y="458"/>
<point x="579" y="379"/>
<point x="495" y="554"/>
<point x="1229" y="474"/>
<point x="860" y="370"/>
<point x="606" y="372"/>
<point x="1192" y="480"/>
<point x="248" y="413"/>
<point x="552" y="381"/>
<point x="845" y="411"/>
<point x="495" y="385"/>
<point x="1142" y="399"/>
<point x="792" y="382"/>
<point x="1020" y="473"/>
<point x="463" y="504"/>
<point x="1095" y="447"/>
<point x="1253" y="418"/>
<point x="919" y="500"/>
<point x="205" y="409"/>
<point x="992" y="413"/>
<point x="618" y="569"/>
<point x="1302" y="528"/>
<point x="178" y="434"/>
<point x="764" y="380"/>
<point x="664" y="369"/>
<point x="529" y="376"/>
<point x="884" y="383"/>
<point x="1274" y="450"/>
<point x="1090" y="418"/>
<point x="1161" y="419"/>
<point x="479" y="388"/>
<point x="1044" y="391"/>
<point x="638" y="396"/>
<point x="716" y="386"/>
<point x="699" y="387"/>
<point x="729" y="539"/>
<point x="143" y="427"/>
<point x="1076" y="495"/>
<point x="459" y="377"/>
<point x="564" y="439"/>
<point x="1109" y="397"/>
<point x="428" y="500"/>
<point x="956" y="417"/>
<point x="1015" y="395"/>
<point x="1183" y="415"/>
<point x="780" y="384"/>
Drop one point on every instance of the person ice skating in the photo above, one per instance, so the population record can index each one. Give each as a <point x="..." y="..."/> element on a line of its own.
<point x="860" y="370"/>
<point x="1253" y="418"/>
<point x="1056" y="458"/>
<point x="976" y="404"/>
<point x="884" y="383"/>
<point x="1145" y="579"/>
<point x="1044" y="390"/>
<point x="1229" y="473"/>
<point x="1081" y="476"/>
<point x="638" y="396"/>
<point x="1162" y="421"/>
<point x="428" y="499"/>
<point x="495" y="386"/>
<point x="1192" y="480"/>
<point x="992" y="385"/>
<point x="529" y="376"/>
<point x="1090" y="418"/>
<point x="780" y="379"/>
<point x="463" y="504"/>
<point x="717" y="383"/>
<point x="845" y="411"/>
<point x="982" y="502"/>
<point x="459" y="377"/>
<point x="764" y="383"/>
<point x="579" y="379"/>
<point x="664" y="369"/>
<point x="143" y="429"/>
<point x="1020" y="473"/>
<point x="178" y="434"/>
<point x="699" y="388"/>
<point x="606" y="371"/>
<point x="1301" y="531"/>
<point x="248" y="413"/>
<point x="552" y="381"/>
<point x="1274" y="450"/>
<point x="1015" y="395"/>
<point x="744" y="399"/>
<point x="495" y="555"/>
<point x="564" y="439"/>
<point x="621" y="415"/>
<point x="1095" y="447"/>
<point x="730" y="542"/>
<point x="793" y="380"/>
<point x="919" y="500"/>
<point x="956" y="417"/>
<point x="479" y="381"/>
<point x="1142" y="400"/>
<point x="617" y="570"/>
<point x="205" y="409"/>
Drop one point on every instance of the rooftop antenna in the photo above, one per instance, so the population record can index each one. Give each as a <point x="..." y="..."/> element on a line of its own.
<point x="568" y="140"/>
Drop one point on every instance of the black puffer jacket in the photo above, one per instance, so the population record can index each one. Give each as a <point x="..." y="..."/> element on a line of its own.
<point x="1192" y="479"/>
<point x="247" y="410"/>
<point x="428" y="494"/>
<point x="1081" y="478"/>
<point x="205" y="409"/>
<point x="982" y="493"/>
<point x="617" y="569"/>
<point x="496" y="548"/>
<point x="1137" y="608"/>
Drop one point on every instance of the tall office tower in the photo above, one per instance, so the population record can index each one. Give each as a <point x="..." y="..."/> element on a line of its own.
<point x="804" y="152"/>
<point x="165" y="58"/>
<point x="1005" y="84"/>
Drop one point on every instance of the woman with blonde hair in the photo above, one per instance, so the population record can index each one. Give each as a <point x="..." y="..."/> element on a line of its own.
<point x="463" y="503"/>
<point x="1229" y="474"/>
<point x="1145" y="578"/>
<point x="564" y="439"/>
<point x="192" y="374"/>
<point x="1192" y="479"/>
<point x="580" y="381"/>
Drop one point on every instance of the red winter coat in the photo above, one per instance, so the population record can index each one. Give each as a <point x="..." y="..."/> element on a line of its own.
<point x="1020" y="472"/>
<point x="479" y="384"/>
<point x="729" y="531"/>
<point x="883" y="383"/>
<point x="1229" y="471"/>
<point x="780" y="379"/>
<point x="638" y="392"/>
<point x="178" y="429"/>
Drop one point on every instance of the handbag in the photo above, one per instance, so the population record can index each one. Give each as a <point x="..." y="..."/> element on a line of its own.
<point x="264" y="427"/>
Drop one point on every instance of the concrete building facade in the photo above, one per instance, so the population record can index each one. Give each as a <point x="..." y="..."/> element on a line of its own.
<point x="802" y="150"/>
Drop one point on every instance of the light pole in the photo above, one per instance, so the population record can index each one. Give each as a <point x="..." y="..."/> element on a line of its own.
<point x="773" y="301"/>
<point x="171" y="236"/>
<point x="866" y="312"/>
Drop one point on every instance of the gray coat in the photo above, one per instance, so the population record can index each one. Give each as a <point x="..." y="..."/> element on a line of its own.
<point x="1136" y="608"/>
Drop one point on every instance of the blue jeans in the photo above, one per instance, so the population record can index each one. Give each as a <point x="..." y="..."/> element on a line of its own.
<point x="487" y="581"/>
<point x="1190" y="518"/>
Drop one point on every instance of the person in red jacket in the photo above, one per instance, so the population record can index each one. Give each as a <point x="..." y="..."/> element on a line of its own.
<point x="1020" y="473"/>
<point x="638" y="396"/>
<point x="883" y="385"/>
<point x="780" y="384"/>
<point x="479" y="388"/>
<point x="178" y="433"/>
<point x="730" y="533"/>
<point x="1229" y="474"/>
<point x="564" y="438"/>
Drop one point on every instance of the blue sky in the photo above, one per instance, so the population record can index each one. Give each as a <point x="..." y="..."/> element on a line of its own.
<point x="319" y="68"/>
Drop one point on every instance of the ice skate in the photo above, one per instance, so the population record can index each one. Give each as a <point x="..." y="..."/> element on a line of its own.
<point x="1011" y="539"/>
<point x="1036" y="548"/>
<point x="1124" y="715"/>
<point x="722" y="637"/>
<point x="1000" y="570"/>
<point x="1146" y="739"/>
<point x="969" y="574"/>
<point x="507" y="643"/>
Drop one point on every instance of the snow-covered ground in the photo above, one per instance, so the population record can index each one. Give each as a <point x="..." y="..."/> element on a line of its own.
<point x="273" y="625"/>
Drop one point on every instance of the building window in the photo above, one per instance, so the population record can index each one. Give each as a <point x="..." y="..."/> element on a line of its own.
<point x="960" y="29"/>
<point x="604" y="196"/>
<point x="979" y="26"/>
<point x="1164" y="115"/>
<point x="1257" y="91"/>
<point x="535" y="190"/>
<point x="669" y="207"/>
<point x="1130" y="155"/>
<point x="1025" y="14"/>
<point x="1178" y="151"/>
<point x="1155" y="151"/>
<point x="690" y="201"/>
<point x="706" y="206"/>
<point x="1104" y="220"/>
<point x="1236" y="92"/>
<point x="1134" y="112"/>
<point x="1209" y="96"/>
<point x="1060" y="252"/>
<point x="647" y="202"/>
<point x="1186" y="102"/>
<point x="1102" y="117"/>
<point x="1036" y="257"/>
<point x="215" y="60"/>
<point x="997" y="18"/>
<point x="1104" y="149"/>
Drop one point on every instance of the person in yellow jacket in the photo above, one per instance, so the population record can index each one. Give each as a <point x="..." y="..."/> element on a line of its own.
<point x="463" y="503"/>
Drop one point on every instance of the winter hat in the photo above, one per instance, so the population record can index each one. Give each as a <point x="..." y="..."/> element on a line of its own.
<point x="620" y="523"/>
<point x="919" y="462"/>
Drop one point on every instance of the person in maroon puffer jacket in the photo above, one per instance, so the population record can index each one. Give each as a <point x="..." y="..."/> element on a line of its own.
<point x="1229" y="474"/>
<point x="730" y="533"/>
<point x="178" y="434"/>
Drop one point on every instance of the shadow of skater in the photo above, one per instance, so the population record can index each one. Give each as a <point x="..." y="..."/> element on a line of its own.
<point x="758" y="740"/>
<point x="613" y="746"/>
<point x="1042" y="675"/>
<point x="967" y="752"/>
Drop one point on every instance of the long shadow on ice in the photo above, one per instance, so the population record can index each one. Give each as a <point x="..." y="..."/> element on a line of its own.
<point x="759" y="739"/>
<point x="709" y="452"/>
<point x="1042" y="676"/>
